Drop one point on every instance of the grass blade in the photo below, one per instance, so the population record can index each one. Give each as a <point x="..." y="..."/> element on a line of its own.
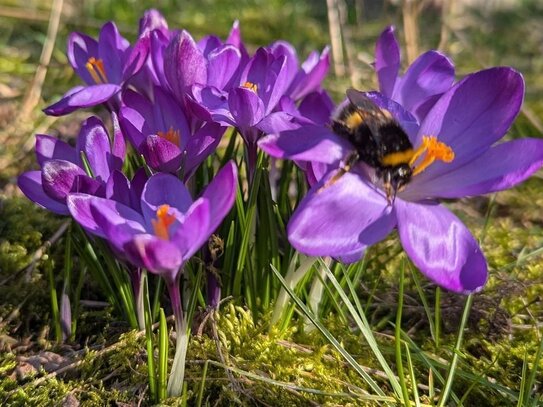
<point x="348" y="357"/>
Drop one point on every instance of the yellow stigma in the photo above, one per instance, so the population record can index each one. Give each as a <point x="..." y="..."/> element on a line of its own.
<point x="173" y="136"/>
<point x="162" y="222"/>
<point x="251" y="86"/>
<point x="96" y="70"/>
<point x="430" y="150"/>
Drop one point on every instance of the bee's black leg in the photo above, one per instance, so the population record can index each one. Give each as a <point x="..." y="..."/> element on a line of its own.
<point x="352" y="158"/>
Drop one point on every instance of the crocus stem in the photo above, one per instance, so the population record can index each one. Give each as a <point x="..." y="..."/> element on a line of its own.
<point x="138" y="280"/>
<point x="252" y="155"/>
<point x="293" y="277"/>
<point x="175" y="382"/>
<point x="213" y="290"/>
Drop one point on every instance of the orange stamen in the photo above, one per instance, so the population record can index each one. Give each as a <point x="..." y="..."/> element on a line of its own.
<point x="251" y="86"/>
<point x="430" y="150"/>
<point x="163" y="222"/>
<point x="96" y="70"/>
<point x="173" y="136"/>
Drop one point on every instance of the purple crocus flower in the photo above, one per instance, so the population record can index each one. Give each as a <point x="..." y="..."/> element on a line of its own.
<point x="252" y="106"/>
<point x="424" y="81"/>
<point x="160" y="131"/>
<point x="457" y="157"/>
<point x="162" y="237"/>
<point x="104" y="65"/>
<point x="62" y="169"/>
<point x="170" y="228"/>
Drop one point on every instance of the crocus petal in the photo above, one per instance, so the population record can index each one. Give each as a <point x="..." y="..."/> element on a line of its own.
<point x="152" y="20"/>
<point x="156" y="255"/>
<point x="387" y="61"/>
<point x="137" y="57"/>
<point x="283" y="48"/>
<point x="441" y="246"/>
<point x="210" y="104"/>
<point x="317" y="107"/>
<point x="195" y="229"/>
<point x="163" y="189"/>
<point x="246" y="107"/>
<point x="51" y="148"/>
<point x="200" y="146"/>
<point x="184" y="63"/>
<point x="430" y="74"/>
<point x="58" y="178"/>
<point x="137" y="185"/>
<point x="209" y="43"/>
<point x="118" y="148"/>
<point x="93" y="140"/>
<point x="88" y="185"/>
<point x="234" y="37"/>
<point x="111" y="48"/>
<point x="221" y="193"/>
<point x="340" y="219"/>
<point x="309" y="79"/>
<point x="117" y="222"/>
<point x="84" y="97"/>
<point x="131" y="117"/>
<point x="276" y="83"/>
<point x="276" y="122"/>
<point x="223" y="63"/>
<point x="159" y="42"/>
<point x="118" y="188"/>
<point x="30" y="184"/>
<point x="500" y="167"/>
<point x="160" y="154"/>
<point x="308" y="143"/>
<point x="472" y="116"/>
<point x="80" y="48"/>
<point x="79" y="208"/>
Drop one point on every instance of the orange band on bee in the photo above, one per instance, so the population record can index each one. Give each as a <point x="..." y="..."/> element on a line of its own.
<point x="354" y="120"/>
<point x="399" y="157"/>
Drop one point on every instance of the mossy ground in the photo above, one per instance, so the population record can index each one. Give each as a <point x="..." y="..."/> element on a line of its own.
<point x="105" y="363"/>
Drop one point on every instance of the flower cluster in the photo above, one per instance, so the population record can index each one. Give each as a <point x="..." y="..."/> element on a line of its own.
<point x="172" y="98"/>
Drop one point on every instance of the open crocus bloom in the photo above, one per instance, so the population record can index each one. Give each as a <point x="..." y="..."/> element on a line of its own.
<point x="103" y="65"/>
<point x="456" y="157"/>
<point x="62" y="168"/>
<point x="170" y="227"/>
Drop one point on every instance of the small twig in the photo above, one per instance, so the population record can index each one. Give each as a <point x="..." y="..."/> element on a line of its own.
<point x="411" y="10"/>
<point x="335" y="37"/>
<point x="34" y="93"/>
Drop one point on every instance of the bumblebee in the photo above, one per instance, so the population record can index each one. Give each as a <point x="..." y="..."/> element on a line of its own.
<point x="378" y="139"/>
